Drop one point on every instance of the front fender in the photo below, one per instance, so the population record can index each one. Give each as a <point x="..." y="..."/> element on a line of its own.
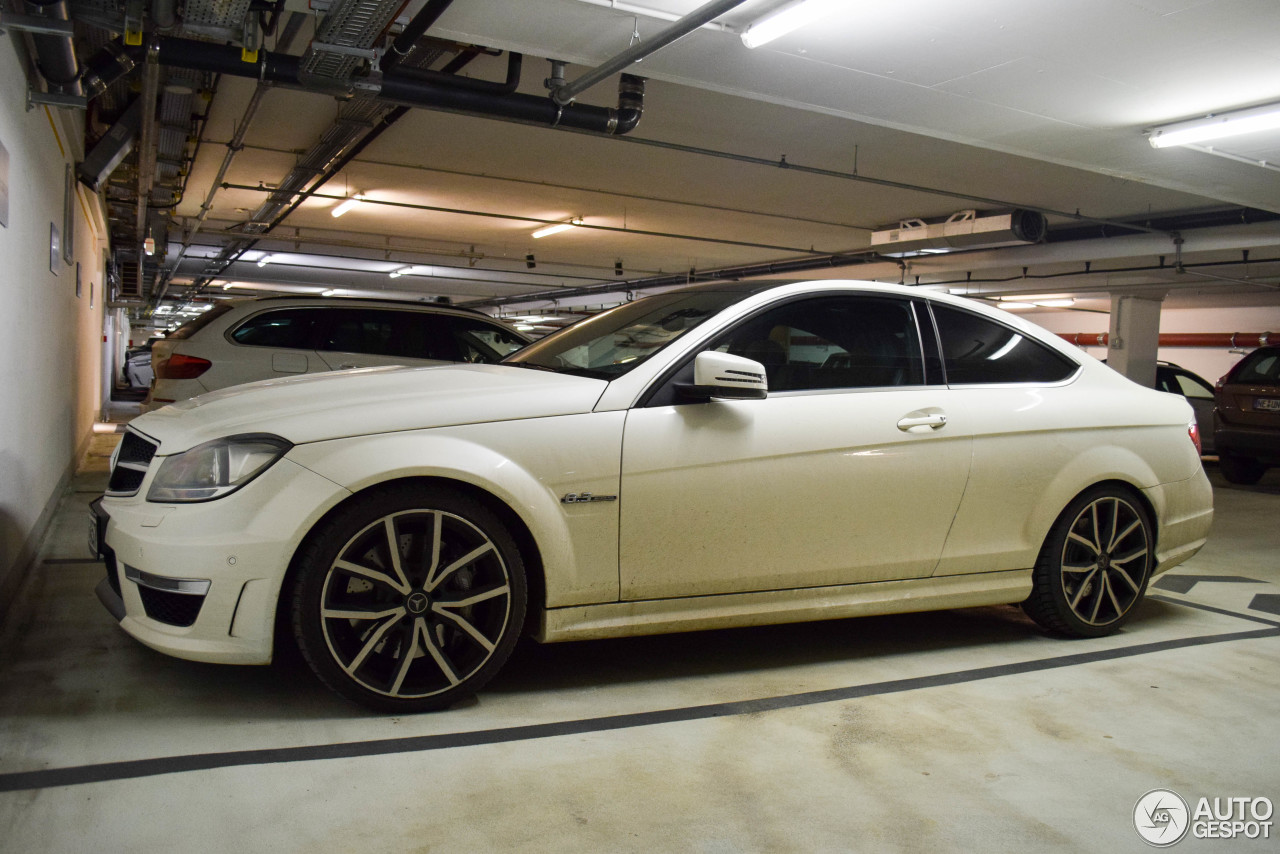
<point x="529" y="465"/>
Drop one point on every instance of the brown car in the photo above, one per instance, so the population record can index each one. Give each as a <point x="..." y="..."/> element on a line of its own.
<point x="1246" y="418"/>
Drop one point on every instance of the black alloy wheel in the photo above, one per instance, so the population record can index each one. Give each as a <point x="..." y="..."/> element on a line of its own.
<point x="1094" y="566"/>
<point x="409" y="599"/>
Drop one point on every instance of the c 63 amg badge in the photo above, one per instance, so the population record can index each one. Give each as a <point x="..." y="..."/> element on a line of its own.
<point x="586" y="498"/>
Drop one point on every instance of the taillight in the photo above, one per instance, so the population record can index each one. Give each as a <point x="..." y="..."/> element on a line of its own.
<point x="1193" y="430"/>
<point x="180" y="367"/>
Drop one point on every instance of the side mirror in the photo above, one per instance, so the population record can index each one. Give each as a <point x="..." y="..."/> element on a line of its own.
<point x="720" y="375"/>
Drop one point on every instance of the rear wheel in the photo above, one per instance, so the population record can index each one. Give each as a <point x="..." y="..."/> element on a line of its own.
<point x="1094" y="566"/>
<point x="409" y="599"/>
<point x="1243" y="470"/>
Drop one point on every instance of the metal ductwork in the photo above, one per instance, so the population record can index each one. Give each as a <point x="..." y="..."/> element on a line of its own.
<point x="963" y="230"/>
<point x="114" y="146"/>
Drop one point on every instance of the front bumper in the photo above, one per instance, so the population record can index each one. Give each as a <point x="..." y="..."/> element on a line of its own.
<point x="201" y="581"/>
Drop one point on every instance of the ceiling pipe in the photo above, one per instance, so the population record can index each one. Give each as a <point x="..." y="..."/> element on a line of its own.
<point x="401" y="89"/>
<point x="414" y="30"/>
<point x="164" y="13"/>
<point x="566" y="92"/>
<point x="55" y="54"/>
<point x="1230" y="340"/>
<point x="514" y="64"/>
<point x="107" y="66"/>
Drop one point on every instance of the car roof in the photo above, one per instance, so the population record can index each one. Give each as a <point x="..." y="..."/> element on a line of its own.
<point x="322" y="302"/>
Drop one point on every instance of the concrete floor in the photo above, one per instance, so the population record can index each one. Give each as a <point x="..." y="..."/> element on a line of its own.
<point x="954" y="731"/>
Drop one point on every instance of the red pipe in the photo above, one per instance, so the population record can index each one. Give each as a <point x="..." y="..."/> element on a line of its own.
<point x="1183" y="339"/>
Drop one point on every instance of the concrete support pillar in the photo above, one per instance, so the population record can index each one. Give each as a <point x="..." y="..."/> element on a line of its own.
<point x="1135" y="337"/>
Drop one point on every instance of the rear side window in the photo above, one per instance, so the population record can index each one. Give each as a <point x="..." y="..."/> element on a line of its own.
<point x="1261" y="367"/>
<point x="191" y="327"/>
<point x="416" y="335"/>
<point x="1178" y="382"/>
<point x="290" y="328"/>
<point x="977" y="350"/>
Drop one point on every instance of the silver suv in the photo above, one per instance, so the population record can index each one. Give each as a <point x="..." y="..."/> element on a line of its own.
<point x="240" y="341"/>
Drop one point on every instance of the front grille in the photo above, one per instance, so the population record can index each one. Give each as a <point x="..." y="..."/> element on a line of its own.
<point x="175" y="609"/>
<point x="136" y="452"/>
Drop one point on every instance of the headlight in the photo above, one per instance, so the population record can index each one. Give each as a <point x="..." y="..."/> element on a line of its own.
<point x="215" y="468"/>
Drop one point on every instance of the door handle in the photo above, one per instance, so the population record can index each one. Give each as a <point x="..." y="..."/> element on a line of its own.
<point x="922" y="423"/>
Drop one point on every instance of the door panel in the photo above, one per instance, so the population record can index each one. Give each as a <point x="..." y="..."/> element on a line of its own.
<point x="798" y="490"/>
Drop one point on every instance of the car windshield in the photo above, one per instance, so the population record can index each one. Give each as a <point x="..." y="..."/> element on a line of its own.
<point x="615" y="341"/>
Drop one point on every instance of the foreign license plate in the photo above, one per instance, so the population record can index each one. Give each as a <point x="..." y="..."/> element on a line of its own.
<point x="1267" y="404"/>
<point x="93" y="536"/>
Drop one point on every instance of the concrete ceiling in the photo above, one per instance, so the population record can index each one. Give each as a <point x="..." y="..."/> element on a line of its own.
<point x="880" y="112"/>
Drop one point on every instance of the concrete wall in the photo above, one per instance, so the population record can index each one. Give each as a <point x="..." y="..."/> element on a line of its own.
<point x="50" y="338"/>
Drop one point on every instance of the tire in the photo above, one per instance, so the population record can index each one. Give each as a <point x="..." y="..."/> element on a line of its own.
<point x="1094" y="566"/>
<point x="1242" y="470"/>
<point x="409" y="599"/>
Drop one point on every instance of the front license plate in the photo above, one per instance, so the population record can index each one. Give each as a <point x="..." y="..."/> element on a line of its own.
<point x="1267" y="404"/>
<point x="93" y="535"/>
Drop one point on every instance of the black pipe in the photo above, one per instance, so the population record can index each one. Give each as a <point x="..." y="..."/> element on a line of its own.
<point x="514" y="61"/>
<point x="226" y="59"/>
<point x="423" y="21"/>
<point x="283" y="69"/>
<point x="107" y="66"/>
<point x="55" y="55"/>
<point x="518" y="107"/>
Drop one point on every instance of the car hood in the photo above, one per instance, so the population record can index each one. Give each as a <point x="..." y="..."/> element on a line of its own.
<point x="315" y="407"/>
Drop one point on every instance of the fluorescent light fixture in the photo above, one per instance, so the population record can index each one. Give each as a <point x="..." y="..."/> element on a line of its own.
<point x="1036" y="302"/>
<point x="557" y="228"/>
<point x="328" y="293"/>
<point x="400" y="271"/>
<point x="524" y="327"/>
<point x="265" y="260"/>
<point x="793" y="16"/>
<point x="350" y="203"/>
<point x="1221" y="126"/>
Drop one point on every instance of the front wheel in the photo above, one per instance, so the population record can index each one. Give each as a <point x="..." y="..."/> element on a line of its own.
<point x="409" y="599"/>
<point x="1094" y="566"/>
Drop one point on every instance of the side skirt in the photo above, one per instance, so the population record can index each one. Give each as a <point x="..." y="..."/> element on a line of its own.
<point x="661" y="616"/>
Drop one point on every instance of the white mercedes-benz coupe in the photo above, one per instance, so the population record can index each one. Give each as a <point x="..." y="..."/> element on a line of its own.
<point x="720" y="455"/>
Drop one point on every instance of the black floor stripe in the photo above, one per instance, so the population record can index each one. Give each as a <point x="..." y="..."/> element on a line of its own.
<point x="134" y="769"/>
<point x="1184" y="583"/>
<point x="61" y="561"/>
<point x="1253" y="618"/>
